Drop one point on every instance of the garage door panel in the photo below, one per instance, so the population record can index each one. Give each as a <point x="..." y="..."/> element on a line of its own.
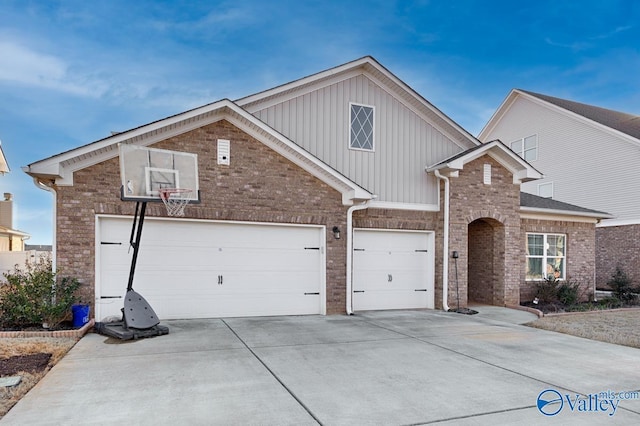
<point x="392" y="269"/>
<point x="189" y="269"/>
<point x="391" y="299"/>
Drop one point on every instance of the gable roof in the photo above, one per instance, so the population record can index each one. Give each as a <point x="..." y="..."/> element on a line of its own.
<point x="621" y="121"/>
<point x="60" y="168"/>
<point x="534" y="203"/>
<point x="370" y="67"/>
<point x="521" y="170"/>
<point x="4" y="166"/>
<point x="623" y="124"/>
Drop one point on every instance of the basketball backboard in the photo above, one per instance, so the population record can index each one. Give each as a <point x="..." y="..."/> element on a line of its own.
<point x="144" y="171"/>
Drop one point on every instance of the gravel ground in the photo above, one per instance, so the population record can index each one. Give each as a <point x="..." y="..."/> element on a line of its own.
<point x="621" y="327"/>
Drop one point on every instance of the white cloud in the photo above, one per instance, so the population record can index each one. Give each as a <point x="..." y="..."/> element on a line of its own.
<point x="23" y="66"/>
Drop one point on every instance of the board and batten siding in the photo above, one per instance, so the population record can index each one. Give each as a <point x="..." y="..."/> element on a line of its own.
<point x="404" y="143"/>
<point x="589" y="166"/>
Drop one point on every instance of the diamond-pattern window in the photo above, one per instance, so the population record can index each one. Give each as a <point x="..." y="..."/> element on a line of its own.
<point x="361" y="136"/>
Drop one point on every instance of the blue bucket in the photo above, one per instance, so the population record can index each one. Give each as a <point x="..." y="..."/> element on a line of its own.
<point x="80" y="315"/>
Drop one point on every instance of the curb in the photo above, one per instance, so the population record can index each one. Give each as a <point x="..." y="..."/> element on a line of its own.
<point x="77" y="333"/>
<point x="560" y="314"/>
<point x="535" y="311"/>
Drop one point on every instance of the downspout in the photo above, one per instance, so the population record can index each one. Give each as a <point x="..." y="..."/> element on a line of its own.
<point x="445" y="243"/>
<point x="362" y="206"/>
<point x="48" y="188"/>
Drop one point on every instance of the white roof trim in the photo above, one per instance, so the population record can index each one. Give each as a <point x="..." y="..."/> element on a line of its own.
<point x="618" y="222"/>
<point x="390" y="205"/>
<point x="61" y="167"/>
<point x="562" y="215"/>
<point x="521" y="170"/>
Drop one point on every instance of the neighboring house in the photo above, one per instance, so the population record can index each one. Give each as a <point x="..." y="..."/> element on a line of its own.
<point x="10" y="239"/>
<point x="339" y="192"/>
<point x="4" y="166"/>
<point x="589" y="156"/>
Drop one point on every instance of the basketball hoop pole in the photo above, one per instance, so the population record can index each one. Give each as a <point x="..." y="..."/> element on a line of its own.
<point x="136" y="229"/>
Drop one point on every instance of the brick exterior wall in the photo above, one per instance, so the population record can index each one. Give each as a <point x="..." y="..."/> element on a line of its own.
<point x="258" y="186"/>
<point x="617" y="246"/>
<point x="580" y="256"/>
<point x="481" y="213"/>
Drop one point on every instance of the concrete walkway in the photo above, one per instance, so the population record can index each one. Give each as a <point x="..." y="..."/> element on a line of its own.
<point x="375" y="368"/>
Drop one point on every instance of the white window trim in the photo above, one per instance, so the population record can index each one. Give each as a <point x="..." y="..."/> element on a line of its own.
<point x="544" y="256"/>
<point x="545" y="184"/>
<point x="522" y="152"/>
<point x="373" y="123"/>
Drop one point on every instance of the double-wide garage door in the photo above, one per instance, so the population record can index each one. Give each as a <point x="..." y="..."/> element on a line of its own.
<point x="392" y="269"/>
<point x="194" y="269"/>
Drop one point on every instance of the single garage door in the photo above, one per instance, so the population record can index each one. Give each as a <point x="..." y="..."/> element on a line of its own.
<point x="196" y="269"/>
<point x="392" y="269"/>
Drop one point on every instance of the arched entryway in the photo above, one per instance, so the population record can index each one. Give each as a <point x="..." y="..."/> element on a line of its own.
<point x="486" y="257"/>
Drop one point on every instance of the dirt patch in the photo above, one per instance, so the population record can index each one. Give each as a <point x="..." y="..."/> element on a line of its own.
<point x="617" y="326"/>
<point x="31" y="358"/>
<point x="25" y="363"/>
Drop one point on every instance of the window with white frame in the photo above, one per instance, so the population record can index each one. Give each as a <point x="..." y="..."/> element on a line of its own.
<point x="526" y="148"/>
<point x="545" y="190"/>
<point x="361" y="128"/>
<point x="546" y="256"/>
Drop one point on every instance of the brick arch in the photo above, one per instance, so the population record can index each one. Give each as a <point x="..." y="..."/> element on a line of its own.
<point x="487" y="214"/>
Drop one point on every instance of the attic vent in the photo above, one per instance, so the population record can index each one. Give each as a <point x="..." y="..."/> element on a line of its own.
<point x="487" y="174"/>
<point x="224" y="151"/>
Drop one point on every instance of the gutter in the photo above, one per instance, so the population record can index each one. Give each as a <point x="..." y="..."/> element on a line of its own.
<point x="362" y="206"/>
<point x="445" y="243"/>
<point x="53" y="192"/>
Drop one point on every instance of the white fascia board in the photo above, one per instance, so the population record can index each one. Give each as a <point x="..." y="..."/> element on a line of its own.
<point x="551" y="214"/>
<point x="520" y="169"/>
<point x="390" y="205"/>
<point x="618" y="222"/>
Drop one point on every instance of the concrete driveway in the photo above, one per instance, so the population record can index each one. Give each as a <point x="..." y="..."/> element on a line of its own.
<point x="387" y="368"/>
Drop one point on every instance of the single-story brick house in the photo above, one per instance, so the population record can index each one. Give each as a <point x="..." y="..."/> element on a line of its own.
<point x="342" y="191"/>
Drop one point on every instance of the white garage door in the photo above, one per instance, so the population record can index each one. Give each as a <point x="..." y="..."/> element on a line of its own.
<point x="195" y="269"/>
<point x="392" y="269"/>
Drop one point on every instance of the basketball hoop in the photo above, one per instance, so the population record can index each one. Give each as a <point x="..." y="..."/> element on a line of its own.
<point x="175" y="199"/>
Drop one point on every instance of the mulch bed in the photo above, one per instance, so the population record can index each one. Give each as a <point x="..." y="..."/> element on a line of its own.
<point x="24" y="363"/>
<point x="65" y="325"/>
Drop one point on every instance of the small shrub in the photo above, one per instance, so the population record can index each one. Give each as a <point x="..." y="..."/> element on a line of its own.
<point x="611" y="302"/>
<point x="34" y="295"/>
<point x="621" y="286"/>
<point x="568" y="292"/>
<point x="547" y="289"/>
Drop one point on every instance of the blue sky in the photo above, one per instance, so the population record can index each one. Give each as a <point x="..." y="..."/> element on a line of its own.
<point x="73" y="71"/>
